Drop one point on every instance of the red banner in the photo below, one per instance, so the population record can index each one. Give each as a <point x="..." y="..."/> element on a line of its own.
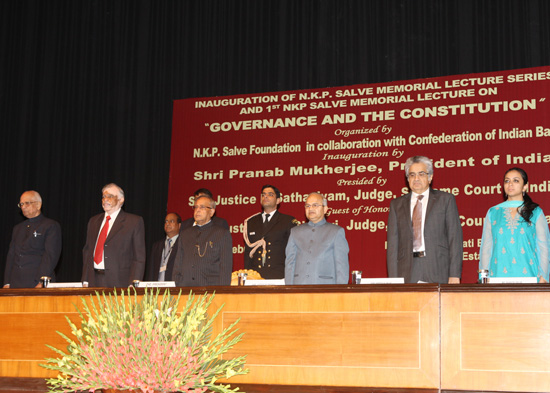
<point x="350" y="143"/>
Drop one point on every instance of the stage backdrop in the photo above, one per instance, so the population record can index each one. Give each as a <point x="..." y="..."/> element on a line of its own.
<point x="350" y="143"/>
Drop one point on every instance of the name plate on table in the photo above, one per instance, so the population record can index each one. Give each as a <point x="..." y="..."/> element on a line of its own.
<point x="280" y="281"/>
<point x="393" y="280"/>
<point x="156" y="284"/>
<point x="64" y="285"/>
<point x="513" y="280"/>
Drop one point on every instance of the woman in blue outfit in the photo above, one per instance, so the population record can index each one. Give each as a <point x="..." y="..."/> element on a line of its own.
<point x="515" y="239"/>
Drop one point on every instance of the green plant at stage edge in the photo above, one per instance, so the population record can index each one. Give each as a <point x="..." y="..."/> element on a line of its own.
<point x="144" y="344"/>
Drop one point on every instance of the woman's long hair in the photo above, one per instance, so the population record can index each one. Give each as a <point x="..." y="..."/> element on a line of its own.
<point x="526" y="209"/>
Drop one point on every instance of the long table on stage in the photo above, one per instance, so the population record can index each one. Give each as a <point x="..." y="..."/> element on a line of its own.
<point x="353" y="338"/>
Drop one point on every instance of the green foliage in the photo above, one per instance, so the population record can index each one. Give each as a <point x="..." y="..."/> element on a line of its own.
<point x="125" y="342"/>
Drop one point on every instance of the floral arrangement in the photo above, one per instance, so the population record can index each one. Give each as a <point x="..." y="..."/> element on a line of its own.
<point x="125" y="342"/>
<point x="251" y="275"/>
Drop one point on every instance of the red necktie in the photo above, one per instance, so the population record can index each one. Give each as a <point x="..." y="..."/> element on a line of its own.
<point x="98" y="253"/>
<point x="417" y="223"/>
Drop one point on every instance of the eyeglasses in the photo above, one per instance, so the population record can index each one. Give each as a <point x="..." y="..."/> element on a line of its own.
<point x="314" y="205"/>
<point x="108" y="196"/>
<point x="199" y="207"/>
<point x="421" y="175"/>
<point x="21" y="204"/>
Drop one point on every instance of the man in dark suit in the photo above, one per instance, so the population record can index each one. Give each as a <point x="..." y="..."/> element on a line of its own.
<point x="424" y="232"/>
<point x="266" y="236"/>
<point x="215" y="219"/>
<point x="114" y="254"/>
<point x="35" y="246"/>
<point x="205" y="253"/>
<point x="163" y="252"/>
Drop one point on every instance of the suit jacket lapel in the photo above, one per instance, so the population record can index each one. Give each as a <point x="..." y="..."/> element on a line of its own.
<point x="96" y="226"/>
<point x="271" y="223"/>
<point x="407" y="209"/>
<point x="431" y="202"/>
<point x="117" y="226"/>
<point x="173" y="252"/>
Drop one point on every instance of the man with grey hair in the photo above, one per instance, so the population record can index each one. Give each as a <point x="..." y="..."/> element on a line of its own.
<point x="424" y="232"/>
<point x="215" y="219"/>
<point x="317" y="252"/>
<point x="114" y="254"/>
<point x="35" y="246"/>
<point x="205" y="255"/>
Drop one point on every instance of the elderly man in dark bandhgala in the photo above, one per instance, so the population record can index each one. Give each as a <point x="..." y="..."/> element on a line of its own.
<point x="205" y="253"/>
<point x="35" y="246"/>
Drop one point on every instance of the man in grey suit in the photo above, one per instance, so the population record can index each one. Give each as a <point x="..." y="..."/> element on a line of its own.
<point x="435" y="254"/>
<point x="114" y="254"/>
<point x="317" y="252"/>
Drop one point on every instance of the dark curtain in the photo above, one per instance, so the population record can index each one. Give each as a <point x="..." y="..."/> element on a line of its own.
<point x="86" y="86"/>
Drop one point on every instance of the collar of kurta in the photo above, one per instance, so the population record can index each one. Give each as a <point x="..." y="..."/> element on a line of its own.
<point x="510" y="204"/>
<point x="200" y="227"/>
<point x="36" y="219"/>
<point x="318" y="224"/>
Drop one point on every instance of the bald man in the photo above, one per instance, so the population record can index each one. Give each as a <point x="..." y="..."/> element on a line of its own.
<point x="317" y="252"/>
<point x="35" y="246"/>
